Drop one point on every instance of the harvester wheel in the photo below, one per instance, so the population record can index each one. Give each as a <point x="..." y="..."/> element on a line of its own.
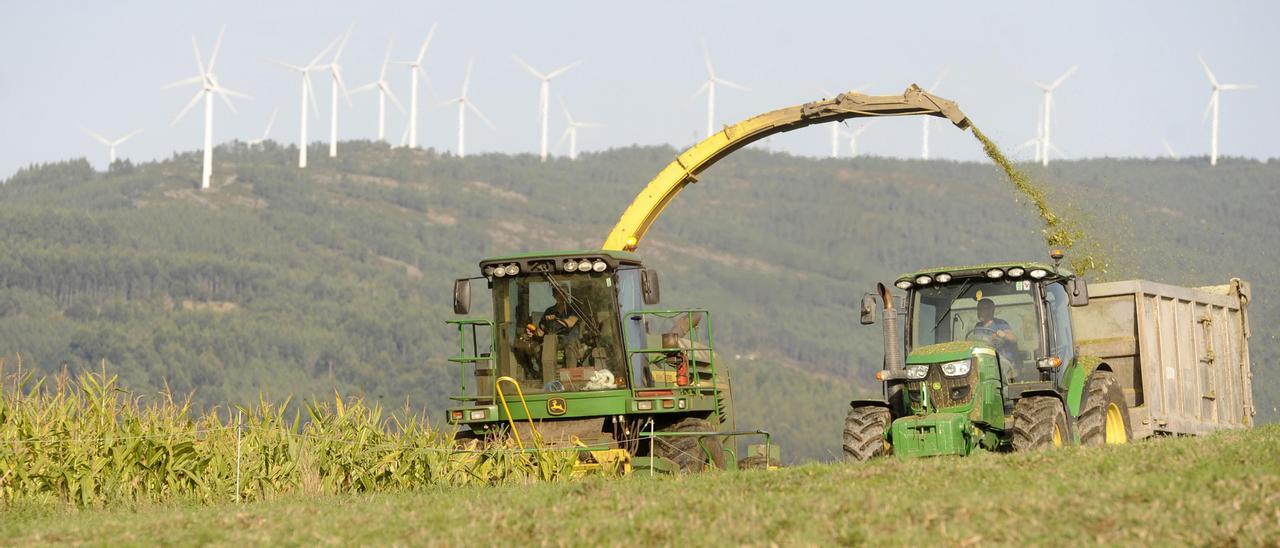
<point x="1105" y="418"/>
<point x="864" y="430"/>
<point x="686" y="451"/>
<point x="1039" y="422"/>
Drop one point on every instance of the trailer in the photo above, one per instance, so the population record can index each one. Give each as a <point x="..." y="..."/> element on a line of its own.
<point x="1181" y="354"/>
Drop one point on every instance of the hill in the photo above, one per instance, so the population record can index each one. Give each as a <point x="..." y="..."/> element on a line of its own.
<point x="1220" y="489"/>
<point x="300" y="282"/>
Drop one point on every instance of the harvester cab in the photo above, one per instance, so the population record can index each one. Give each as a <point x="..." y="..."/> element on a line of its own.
<point x="575" y="355"/>
<point x="984" y="359"/>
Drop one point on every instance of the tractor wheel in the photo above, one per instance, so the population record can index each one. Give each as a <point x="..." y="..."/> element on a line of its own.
<point x="686" y="451"/>
<point x="1039" y="422"/>
<point x="1105" y="418"/>
<point x="864" y="430"/>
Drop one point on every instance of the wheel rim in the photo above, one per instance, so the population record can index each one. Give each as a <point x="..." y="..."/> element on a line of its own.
<point x="1057" y="436"/>
<point x="1115" y="425"/>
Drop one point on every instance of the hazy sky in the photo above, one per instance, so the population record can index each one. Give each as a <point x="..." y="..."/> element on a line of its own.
<point x="101" y="65"/>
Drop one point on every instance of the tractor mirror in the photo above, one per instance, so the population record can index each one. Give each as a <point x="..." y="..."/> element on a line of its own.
<point x="1079" y="291"/>
<point x="462" y="296"/>
<point x="649" y="286"/>
<point x="868" y="316"/>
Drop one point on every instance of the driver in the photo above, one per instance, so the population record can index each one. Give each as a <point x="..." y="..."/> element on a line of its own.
<point x="560" y="320"/>
<point x="1002" y="337"/>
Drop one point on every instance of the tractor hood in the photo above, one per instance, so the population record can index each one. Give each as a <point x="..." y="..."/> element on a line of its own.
<point x="944" y="352"/>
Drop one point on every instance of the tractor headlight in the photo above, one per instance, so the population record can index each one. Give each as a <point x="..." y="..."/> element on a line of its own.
<point x="995" y="273"/>
<point x="943" y="278"/>
<point x="599" y="266"/>
<point x="956" y="369"/>
<point x="923" y="280"/>
<point x="570" y="265"/>
<point x="1039" y="273"/>
<point x="917" y="371"/>
<point x="903" y="284"/>
<point x="1016" y="271"/>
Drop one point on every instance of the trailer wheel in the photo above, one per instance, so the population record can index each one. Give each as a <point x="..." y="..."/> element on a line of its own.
<point x="1039" y="422"/>
<point x="864" y="429"/>
<point x="686" y="450"/>
<point x="1105" y="418"/>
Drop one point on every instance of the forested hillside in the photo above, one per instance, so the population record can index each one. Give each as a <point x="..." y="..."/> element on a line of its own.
<point x="299" y="282"/>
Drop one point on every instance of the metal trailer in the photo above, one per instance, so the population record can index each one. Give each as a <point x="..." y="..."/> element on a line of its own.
<point x="1181" y="354"/>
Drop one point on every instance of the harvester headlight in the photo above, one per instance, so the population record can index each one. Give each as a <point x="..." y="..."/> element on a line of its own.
<point x="599" y="266"/>
<point x="488" y="271"/>
<point x="903" y="284"/>
<point x="1039" y="273"/>
<point x="923" y="280"/>
<point x="584" y="266"/>
<point x="499" y="272"/>
<point x="1016" y="271"/>
<point x="477" y="414"/>
<point x="995" y="273"/>
<point x="956" y="368"/>
<point x="943" y="278"/>
<point x="917" y="371"/>
<point x="513" y="269"/>
<point x="644" y="405"/>
<point x="570" y="265"/>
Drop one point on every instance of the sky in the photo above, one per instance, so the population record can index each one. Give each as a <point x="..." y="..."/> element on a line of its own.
<point x="101" y="65"/>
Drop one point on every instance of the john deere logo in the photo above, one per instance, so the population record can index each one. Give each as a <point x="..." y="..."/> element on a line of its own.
<point x="557" y="406"/>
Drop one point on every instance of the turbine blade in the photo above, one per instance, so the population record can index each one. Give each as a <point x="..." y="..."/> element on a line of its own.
<point x="127" y="137"/>
<point x="425" y="44"/>
<point x="387" y="90"/>
<point x="366" y="87"/>
<point x="217" y="45"/>
<point x="337" y="75"/>
<point x="386" y="59"/>
<point x="565" y="110"/>
<point x="589" y="124"/>
<point x="1207" y="72"/>
<point x="701" y="90"/>
<point x="195" y="48"/>
<point x="183" y="82"/>
<point x="732" y="84"/>
<point x="317" y="58"/>
<point x="941" y="76"/>
<point x="222" y="95"/>
<point x="466" y="81"/>
<point x="287" y="65"/>
<point x="480" y="114"/>
<point x="343" y="45"/>
<point x="529" y="68"/>
<point x="311" y="92"/>
<point x="563" y="136"/>
<point x="562" y="70"/>
<point x="826" y="93"/>
<point x="100" y="138"/>
<point x="706" y="58"/>
<point x="1209" y="107"/>
<point x="195" y="99"/>
<point x="231" y="92"/>
<point x="270" y="122"/>
<point x="1064" y="77"/>
<point x="1237" y="87"/>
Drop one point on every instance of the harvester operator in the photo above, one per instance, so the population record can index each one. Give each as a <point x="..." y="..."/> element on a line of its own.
<point x="559" y="320"/>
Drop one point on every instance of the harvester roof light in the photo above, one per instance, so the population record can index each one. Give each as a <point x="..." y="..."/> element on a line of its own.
<point x="488" y="271"/>
<point x="570" y="265"/>
<point x="903" y="284"/>
<point x="1016" y="271"/>
<point x="943" y="278"/>
<point x="923" y="279"/>
<point x="1039" y="273"/>
<point x="585" y="265"/>
<point x="995" y="273"/>
<point x="599" y="266"/>
<point x="499" y="272"/>
<point x="513" y="269"/>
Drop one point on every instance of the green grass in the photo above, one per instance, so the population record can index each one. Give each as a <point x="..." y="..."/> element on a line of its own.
<point x="1222" y="489"/>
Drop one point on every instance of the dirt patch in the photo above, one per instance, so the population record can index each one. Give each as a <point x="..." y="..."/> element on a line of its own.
<point x="210" y="306"/>
<point x="409" y="270"/>
<point x="498" y="192"/>
<point x="438" y="217"/>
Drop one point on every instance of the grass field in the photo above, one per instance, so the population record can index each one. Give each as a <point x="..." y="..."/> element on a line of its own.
<point x="1222" y="489"/>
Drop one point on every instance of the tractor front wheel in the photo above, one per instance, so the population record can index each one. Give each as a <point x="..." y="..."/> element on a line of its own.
<point x="864" y="433"/>
<point x="1105" y="418"/>
<point x="691" y="453"/>
<point x="1039" y="422"/>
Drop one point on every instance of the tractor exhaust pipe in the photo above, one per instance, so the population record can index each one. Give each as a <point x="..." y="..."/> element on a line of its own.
<point x="894" y="362"/>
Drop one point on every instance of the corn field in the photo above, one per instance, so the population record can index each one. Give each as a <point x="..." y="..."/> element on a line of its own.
<point x="84" y="440"/>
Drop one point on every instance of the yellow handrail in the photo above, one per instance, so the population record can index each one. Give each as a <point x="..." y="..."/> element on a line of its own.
<point x="503" y="398"/>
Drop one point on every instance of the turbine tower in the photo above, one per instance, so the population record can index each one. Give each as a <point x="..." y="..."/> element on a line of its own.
<point x="335" y="70"/>
<point x="308" y="96"/>
<point x="463" y="104"/>
<point x="571" y="132"/>
<point x="266" y="132"/>
<point x="112" y="143"/>
<point x="544" y="95"/>
<point x="208" y="87"/>
<point x="925" y="120"/>
<point x="1214" y="99"/>
<point x="384" y="91"/>
<point x="415" y="67"/>
<point x="709" y="86"/>
<point x="1046" y="110"/>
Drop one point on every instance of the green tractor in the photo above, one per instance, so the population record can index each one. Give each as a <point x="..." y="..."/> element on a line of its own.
<point x="572" y="358"/>
<point x="990" y="365"/>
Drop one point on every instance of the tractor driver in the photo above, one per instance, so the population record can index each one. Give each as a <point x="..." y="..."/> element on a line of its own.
<point x="999" y="331"/>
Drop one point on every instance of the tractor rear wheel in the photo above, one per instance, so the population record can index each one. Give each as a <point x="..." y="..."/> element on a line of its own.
<point x="688" y="451"/>
<point x="864" y="430"/>
<point x="1105" y="418"/>
<point x="1039" y="422"/>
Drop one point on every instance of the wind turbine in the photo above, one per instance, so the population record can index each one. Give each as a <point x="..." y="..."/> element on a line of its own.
<point x="208" y="87"/>
<point x="571" y="132"/>
<point x="853" y="137"/>
<point x="709" y="86"/>
<point x="1034" y="141"/>
<point x="112" y="143"/>
<point x="335" y="70"/>
<point x="384" y="91"/>
<point x="544" y="95"/>
<point x="308" y="96"/>
<point x="1213" y="106"/>
<point x="1047" y="109"/>
<point x="270" y="122"/>
<point x="463" y="104"/>
<point x="925" y="120"/>
<point x="835" y="126"/>
<point x="415" y="67"/>
<point x="1169" y="149"/>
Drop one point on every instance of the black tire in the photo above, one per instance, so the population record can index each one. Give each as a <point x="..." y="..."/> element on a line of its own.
<point x="864" y="433"/>
<point x="687" y="451"/>
<point x="756" y="462"/>
<point x="1039" y="422"/>
<point x="1105" y="411"/>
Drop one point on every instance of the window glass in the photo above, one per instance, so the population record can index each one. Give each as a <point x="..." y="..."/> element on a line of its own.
<point x="1001" y="313"/>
